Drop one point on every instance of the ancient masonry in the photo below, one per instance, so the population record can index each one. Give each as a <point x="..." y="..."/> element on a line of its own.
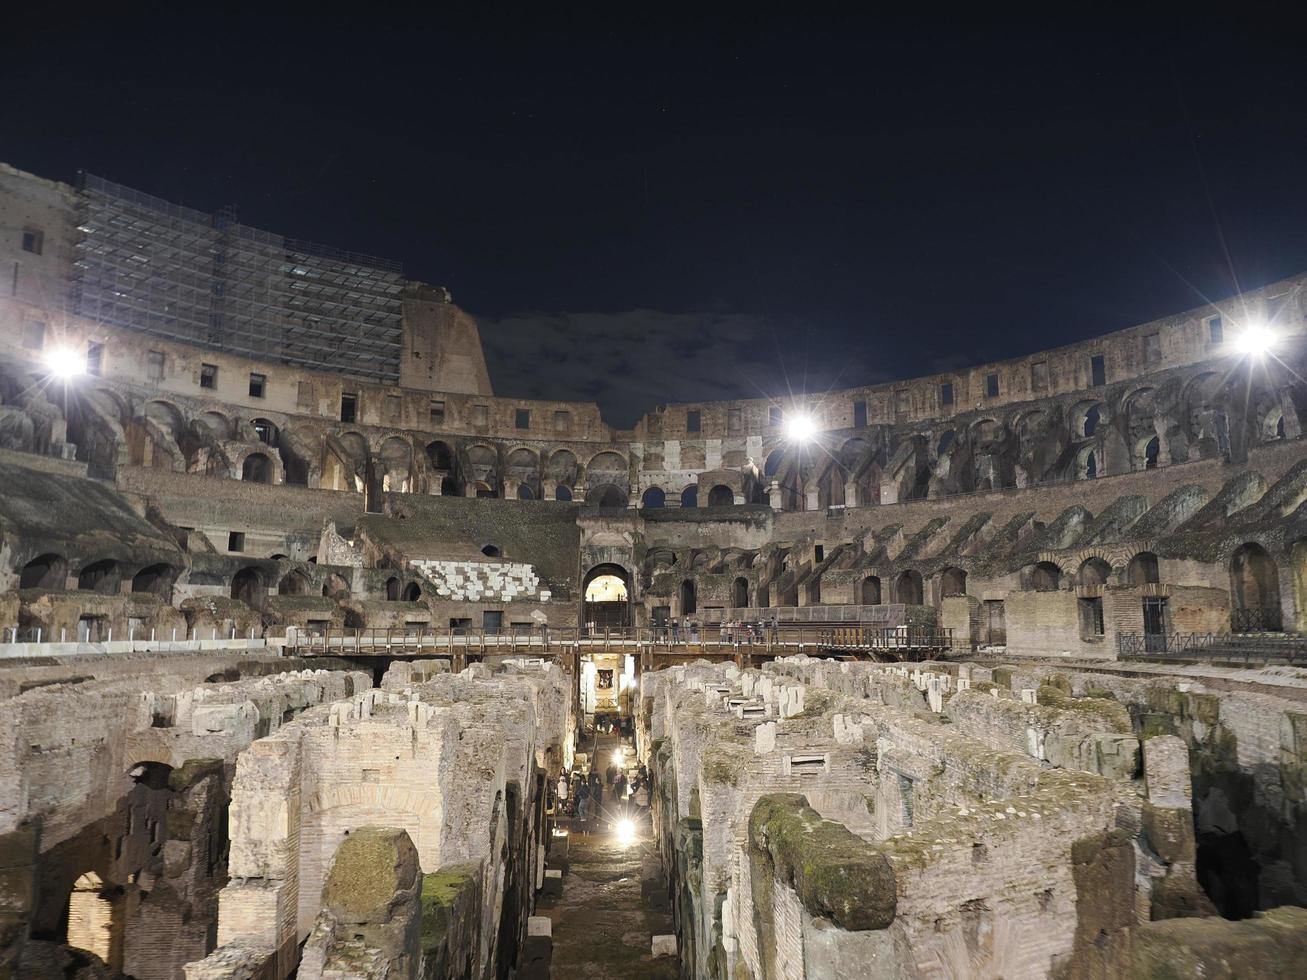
<point x="1003" y="673"/>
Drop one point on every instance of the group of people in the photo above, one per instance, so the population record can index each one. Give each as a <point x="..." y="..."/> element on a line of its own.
<point x="581" y="795"/>
<point x="738" y="631"/>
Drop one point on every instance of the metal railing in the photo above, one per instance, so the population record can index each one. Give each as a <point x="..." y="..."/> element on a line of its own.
<point x="1246" y="648"/>
<point x="763" y="640"/>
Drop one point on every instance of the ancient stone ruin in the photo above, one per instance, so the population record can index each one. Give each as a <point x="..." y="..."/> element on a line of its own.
<point x="307" y="640"/>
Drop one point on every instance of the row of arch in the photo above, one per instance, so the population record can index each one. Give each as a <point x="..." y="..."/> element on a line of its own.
<point x="104" y="576"/>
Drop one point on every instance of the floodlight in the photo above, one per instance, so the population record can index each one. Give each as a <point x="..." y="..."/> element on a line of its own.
<point x="1255" y="339"/>
<point x="619" y="757"/>
<point x="625" y="832"/>
<point x="800" y="427"/>
<point x="64" y="362"/>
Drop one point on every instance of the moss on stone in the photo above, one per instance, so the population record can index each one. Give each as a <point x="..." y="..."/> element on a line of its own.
<point x="1271" y="946"/>
<point x="836" y="874"/>
<point x="370" y="867"/>
<point x="441" y="894"/>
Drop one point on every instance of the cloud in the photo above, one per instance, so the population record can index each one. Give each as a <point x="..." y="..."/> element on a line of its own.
<point x="634" y="361"/>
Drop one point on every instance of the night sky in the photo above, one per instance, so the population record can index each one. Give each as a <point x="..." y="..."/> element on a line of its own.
<point x="671" y="209"/>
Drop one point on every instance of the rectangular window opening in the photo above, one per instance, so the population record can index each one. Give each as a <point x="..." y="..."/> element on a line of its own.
<point x="94" y="359"/>
<point x="991" y="385"/>
<point x="1098" y="370"/>
<point x="946" y="393"/>
<point x="304" y="395"/>
<point x="258" y="385"/>
<point x="562" y="422"/>
<point x="154" y="365"/>
<point x="522" y="418"/>
<point x="859" y="414"/>
<point x="349" y="406"/>
<point x="33" y="240"/>
<point x="209" y="376"/>
<point x="1152" y="348"/>
<point x="734" y="421"/>
<point x="1215" y="329"/>
<point x="692" y="420"/>
<point x="236" y="541"/>
<point x="437" y="412"/>
<point x="1091" y="618"/>
<point x="774" y="415"/>
<point x="1039" y="376"/>
<point x="394" y="408"/>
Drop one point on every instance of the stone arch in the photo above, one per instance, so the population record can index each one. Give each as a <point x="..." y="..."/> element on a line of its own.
<point x="257" y="468"/>
<point x="295" y="582"/>
<point x="335" y="587"/>
<point x="1093" y="572"/>
<point x="690" y="495"/>
<point x="740" y="592"/>
<point x="167" y="416"/>
<point x="266" y="430"/>
<point x="247" y="586"/>
<point x="49" y="572"/>
<point x="218" y="424"/>
<point x="721" y="496"/>
<point x="605" y="495"/>
<point x="869" y="591"/>
<point x="95" y="918"/>
<point x="953" y="582"/>
<point x="908" y="588"/>
<point x="1044" y="576"/>
<point x="392" y="589"/>
<point x="607" y="595"/>
<point x="412" y="592"/>
<point x="653" y="498"/>
<point x="103" y="577"/>
<point x="562" y="470"/>
<point x="155" y="579"/>
<point x="1254" y="590"/>
<point x="1143" y="569"/>
<point x="440" y="456"/>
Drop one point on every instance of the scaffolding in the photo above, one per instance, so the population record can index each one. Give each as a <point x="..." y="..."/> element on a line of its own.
<point x="145" y="264"/>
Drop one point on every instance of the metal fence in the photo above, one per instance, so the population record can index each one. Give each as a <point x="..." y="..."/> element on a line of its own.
<point x="1250" y="648"/>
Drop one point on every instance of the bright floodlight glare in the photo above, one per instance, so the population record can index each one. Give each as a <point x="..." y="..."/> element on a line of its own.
<point x="625" y="832"/>
<point x="619" y="757"/>
<point x="799" y="427"/>
<point x="64" y="362"/>
<point x="1256" y="339"/>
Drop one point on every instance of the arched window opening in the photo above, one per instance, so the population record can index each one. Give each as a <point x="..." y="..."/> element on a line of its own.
<point x="335" y="587"/>
<point x="945" y="441"/>
<point x="721" y="496"/>
<point x="155" y="579"/>
<point x="1151" y="452"/>
<point x="605" y="495"/>
<point x="45" y="572"/>
<point x="688" y="605"/>
<point x="94" y="923"/>
<point x="266" y="431"/>
<point x="412" y="592"/>
<point x="1255" y="590"/>
<point x="871" y="590"/>
<point x="257" y="468"/>
<point x="392" y="589"/>
<point x="1045" y="577"/>
<point x="1091" y="466"/>
<point x="490" y="550"/>
<point x="1093" y="572"/>
<point x="102" y="577"/>
<point x="294" y="582"/>
<point x="953" y="582"/>
<point x="606" y="592"/>
<point x="690" y="496"/>
<point x="740" y="593"/>
<point x="908" y="588"/>
<point x="1089" y="425"/>
<point x="653" y="498"/>
<point x="247" y="587"/>
<point x="440" y="456"/>
<point x="486" y="491"/>
<point x="1143" y="569"/>
<point x="562" y="492"/>
<point x="524" y="492"/>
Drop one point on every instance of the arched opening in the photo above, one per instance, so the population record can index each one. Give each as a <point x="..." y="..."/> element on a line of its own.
<point x="1151" y="451"/>
<point x="440" y="456"/>
<point x="392" y="589"/>
<point x="945" y="441"/>
<point x="44" y="572"/>
<point x="1089" y="424"/>
<point x="740" y="593"/>
<point x="870" y="591"/>
<point x="524" y="492"/>
<point x="486" y="491"/>
<point x="247" y="587"/>
<point x="265" y="430"/>
<point x="354" y="620"/>
<point x="952" y="582"/>
<point x="103" y="577"/>
<point x="605" y="495"/>
<point x="690" y="496"/>
<point x="688" y="604"/>
<point x="1093" y="572"/>
<point x="1090" y="470"/>
<point x="94" y="922"/>
<point x="412" y="592"/>
<point x="294" y="582"/>
<point x="653" y="498"/>
<point x="562" y="492"/>
<point x="1045" y="577"/>
<point x="490" y="550"/>
<point x="155" y="579"/>
<point x="1255" y="590"/>
<point x="1143" y="569"/>
<point x="257" y="468"/>
<point x="907" y="588"/>
<point x="449" y="487"/>
<point x="335" y="587"/>
<point x="607" y="597"/>
<point x="721" y="496"/>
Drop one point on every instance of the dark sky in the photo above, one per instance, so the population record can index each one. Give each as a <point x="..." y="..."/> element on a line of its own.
<point x="709" y="209"/>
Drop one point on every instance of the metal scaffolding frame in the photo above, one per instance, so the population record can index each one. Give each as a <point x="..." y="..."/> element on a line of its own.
<point x="145" y="264"/>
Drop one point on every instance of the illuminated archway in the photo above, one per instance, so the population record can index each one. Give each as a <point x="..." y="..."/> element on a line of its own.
<point x="606" y="591"/>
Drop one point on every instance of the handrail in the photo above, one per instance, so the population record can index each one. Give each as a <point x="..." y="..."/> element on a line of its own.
<point x="1247" y="647"/>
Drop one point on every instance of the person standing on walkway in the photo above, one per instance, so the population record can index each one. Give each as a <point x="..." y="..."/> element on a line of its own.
<point x="562" y="791"/>
<point x="596" y="793"/>
<point x="582" y="800"/>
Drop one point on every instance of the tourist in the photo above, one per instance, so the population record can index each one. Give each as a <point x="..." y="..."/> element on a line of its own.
<point x="596" y="791"/>
<point x="676" y="630"/>
<point x="619" y="787"/>
<point x="582" y="800"/>
<point x="562" y="790"/>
